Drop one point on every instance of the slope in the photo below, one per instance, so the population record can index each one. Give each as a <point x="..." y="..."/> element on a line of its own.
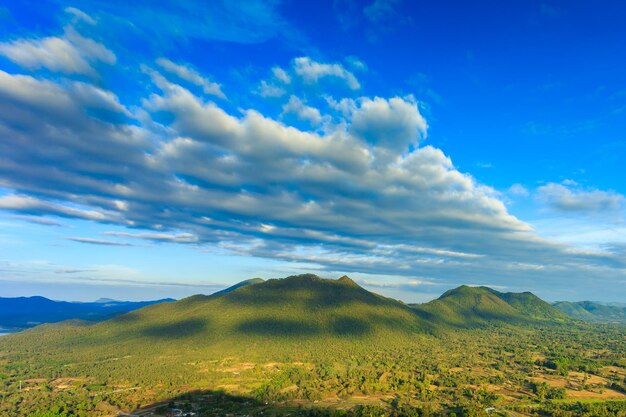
<point x="593" y="312"/>
<point x="299" y="312"/>
<point x="466" y="306"/>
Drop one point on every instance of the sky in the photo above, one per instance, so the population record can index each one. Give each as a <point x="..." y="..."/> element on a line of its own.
<point x="163" y="149"/>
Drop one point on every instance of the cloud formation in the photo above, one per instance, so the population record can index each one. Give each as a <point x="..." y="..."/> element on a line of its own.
<point x="570" y="197"/>
<point x="187" y="73"/>
<point x="361" y="194"/>
<point x="71" y="53"/>
<point x="312" y="71"/>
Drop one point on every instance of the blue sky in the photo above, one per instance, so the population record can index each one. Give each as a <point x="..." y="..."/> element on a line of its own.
<point x="169" y="148"/>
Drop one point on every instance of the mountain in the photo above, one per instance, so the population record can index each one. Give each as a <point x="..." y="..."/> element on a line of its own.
<point x="302" y="312"/>
<point x="593" y="312"/>
<point x="475" y="306"/>
<point x="239" y="285"/>
<point x="24" y="312"/>
<point x="105" y="300"/>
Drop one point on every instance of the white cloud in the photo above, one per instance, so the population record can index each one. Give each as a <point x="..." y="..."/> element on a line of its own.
<point x="312" y="71"/>
<point x="158" y="237"/>
<point x="571" y="198"/>
<point x="362" y="195"/>
<point x="266" y="89"/>
<point x="101" y="242"/>
<point x="70" y="54"/>
<point x="80" y="15"/>
<point x="32" y="205"/>
<point x="281" y="75"/>
<point x="392" y="124"/>
<point x="302" y="111"/>
<point x="518" y="190"/>
<point x="189" y="74"/>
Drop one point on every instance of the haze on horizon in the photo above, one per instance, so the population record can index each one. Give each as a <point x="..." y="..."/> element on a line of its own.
<point x="161" y="151"/>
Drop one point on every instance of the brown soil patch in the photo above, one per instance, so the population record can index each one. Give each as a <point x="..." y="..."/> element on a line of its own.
<point x="606" y="395"/>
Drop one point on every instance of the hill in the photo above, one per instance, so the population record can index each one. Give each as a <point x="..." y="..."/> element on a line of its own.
<point x="301" y="338"/>
<point x="593" y="312"/>
<point x="265" y="317"/>
<point x="466" y="306"/>
<point x="24" y="312"/>
<point x="239" y="285"/>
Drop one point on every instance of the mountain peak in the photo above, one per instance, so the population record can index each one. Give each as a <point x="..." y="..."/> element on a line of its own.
<point x="103" y="300"/>
<point x="244" y="283"/>
<point x="346" y="280"/>
<point x="303" y="277"/>
<point x="465" y="290"/>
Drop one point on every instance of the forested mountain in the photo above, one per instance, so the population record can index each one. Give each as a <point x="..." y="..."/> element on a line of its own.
<point x="258" y="346"/>
<point x="593" y="312"/>
<point x="24" y="312"/>
<point x="466" y="306"/>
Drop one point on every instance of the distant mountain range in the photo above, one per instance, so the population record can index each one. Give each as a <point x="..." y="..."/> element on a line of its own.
<point x="297" y="306"/>
<point x="282" y="306"/>
<point x="24" y="312"/>
<point x="593" y="311"/>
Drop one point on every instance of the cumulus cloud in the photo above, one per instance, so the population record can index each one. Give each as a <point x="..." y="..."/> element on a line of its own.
<point x="362" y="195"/>
<point x="393" y="124"/>
<point x="302" y="111"/>
<point x="69" y="54"/>
<point x="189" y="74"/>
<point x="312" y="71"/>
<point x="571" y="198"/>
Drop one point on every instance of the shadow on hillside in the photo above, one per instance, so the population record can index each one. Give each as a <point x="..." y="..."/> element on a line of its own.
<point x="279" y="327"/>
<point x="339" y="326"/>
<point x="217" y="403"/>
<point x="179" y="329"/>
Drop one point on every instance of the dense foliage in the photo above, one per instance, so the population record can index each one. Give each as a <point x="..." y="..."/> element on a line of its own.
<point x="306" y="346"/>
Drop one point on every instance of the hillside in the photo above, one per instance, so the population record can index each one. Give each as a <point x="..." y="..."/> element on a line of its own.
<point x="275" y="313"/>
<point x="301" y="338"/>
<point x="593" y="312"/>
<point x="466" y="306"/>
<point x="24" y="312"/>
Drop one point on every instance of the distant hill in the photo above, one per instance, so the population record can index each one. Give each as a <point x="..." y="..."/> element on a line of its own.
<point x="24" y="312"/>
<point x="593" y="312"/>
<point x="466" y="306"/>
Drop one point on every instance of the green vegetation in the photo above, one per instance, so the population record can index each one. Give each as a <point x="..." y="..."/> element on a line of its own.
<point x="310" y="346"/>
<point x="593" y="312"/>
<point x="466" y="306"/>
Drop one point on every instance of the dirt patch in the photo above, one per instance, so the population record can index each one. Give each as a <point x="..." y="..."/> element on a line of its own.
<point x="608" y="394"/>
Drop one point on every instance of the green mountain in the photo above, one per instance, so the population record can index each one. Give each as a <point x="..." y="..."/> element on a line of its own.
<point x="593" y="312"/>
<point x="299" y="313"/>
<point x="475" y="306"/>
<point x="259" y="316"/>
<point x="239" y="285"/>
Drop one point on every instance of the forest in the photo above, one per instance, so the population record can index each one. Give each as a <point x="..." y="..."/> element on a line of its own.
<point x="205" y="356"/>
